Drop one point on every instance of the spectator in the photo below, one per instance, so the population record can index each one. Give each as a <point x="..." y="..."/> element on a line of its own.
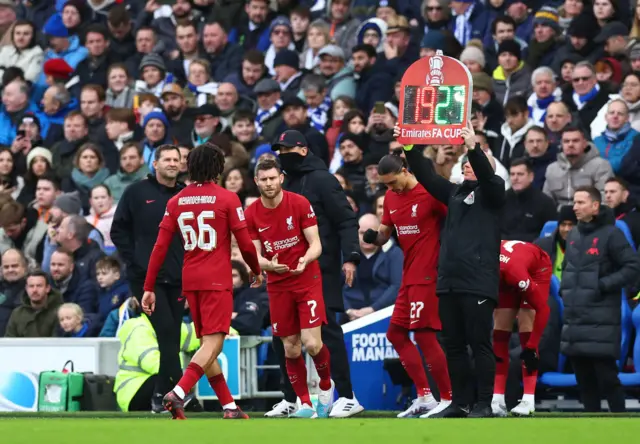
<point x="228" y="101"/>
<point x="343" y="27"/>
<point x="12" y="285"/>
<point x="165" y="24"/>
<point x="244" y="131"/>
<point x="502" y="28"/>
<point x="281" y="38"/>
<point x="591" y="290"/>
<point x="339" y="76"/>
<point x="511" y="77"/>
<point x="119" y="92"/>
<point x="93" y="69"/>
<point x="539" y="153"/>
<point x="378" y="276"/>
<point x="556" y="120"/>
<point x="555" y="244"/>
<point x="526" y="208"/>
<point x="114" y="289"/>
<point x="269" y="114"/>
<point x="294" y="112"/>
<point x="252" y="30"/>
<point x="37" y="316"/>
<point x="23" y="52"/>
<point x="250" y="305"/>
<point x="119" y="130"/>
<point x="66" y="279"/>
<point x="511" y="143"/>
<point x="15" y="101"/>
<point x="10" y="182"/>
<point x="187" y="39"/>
<point x="76" y="131"/>
<point x="630" y="94"/>
<point x="317" y="38"/>
<point x="47" y="190"/>
<point x="156" y="132"/>
<point x="132" y="169"/>
<point x="207" y="123"/>
<point x="545" y="41"/>
<point x="73" y="235"/>
<point x="473" y="58"/>
<point x="286" y="65"/>
<point x="578" y="163"/>
<point x="73" y="323"/>
<point x="175" y="107"/>
<point x="56" y="104"/>
<point x="92" y="100"/>
<point x="351" y="151"/>
<point x="617" y="140"/>
<point x="586" y="96"/>
<point x="153" y="74"/>
<point x="22" y="229"/>
<point x="122" y="42"/>
<point x="224" y="57"/>
<point x="101" y="212"/>
<point x="373" y="84"/>
<point x="199" y="89"/>
<point x="319" y="105"/>
<point x="624" y="206"/>
<point x="88" y="172"/>
<point x="483" y="94"/>
<point x="544" y="92"/>
<point x="146" y="43"/>
<point x="128" y="310"/>
<point x="468" y="13"/>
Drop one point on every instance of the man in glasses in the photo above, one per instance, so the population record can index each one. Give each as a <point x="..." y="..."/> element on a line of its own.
<point x="586" y="96"/>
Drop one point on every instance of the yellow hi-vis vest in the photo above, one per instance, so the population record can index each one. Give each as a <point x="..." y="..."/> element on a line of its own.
<point x="139" y="357"/>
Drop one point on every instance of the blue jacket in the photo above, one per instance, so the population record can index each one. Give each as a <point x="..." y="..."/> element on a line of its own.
<point x="94" y="236"/>
<point x="614" y="147"/>
<point x="387" y="275"/>
<point x="112" y="298"/>
<point x="8" y="129"/>
<point x="82" y="291"/>
<point x="58" y="118"/>
<point x="73" y="56"/>
<point x="116" y="318"/>
<point x="479" y="20"/>
<point x="259" y="39"/>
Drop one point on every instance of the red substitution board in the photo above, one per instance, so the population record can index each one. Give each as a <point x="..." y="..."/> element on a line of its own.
<point x="435" y="101"/>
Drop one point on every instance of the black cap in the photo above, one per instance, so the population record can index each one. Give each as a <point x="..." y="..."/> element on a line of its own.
<point x="289" y="139"/>
<point x="566" y="214"/>
<point x="510" y="46"/>
<point x="208" y="109"/>
<point x="287" y="57"/>
<point x="612" y="29"/>
<point x="29" y="115"/>
<point x="294" y="101"/>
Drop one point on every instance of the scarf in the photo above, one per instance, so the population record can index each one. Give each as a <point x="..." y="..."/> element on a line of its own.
<point x="270" y="57"/>
<point x="263" y="115"/>
<point x="581" y="100"/>
<point x="320" y="116"/>
<point x="87" y="183"/>
<point x="614" y="136"/>
<point x="462" y="29"/>
<point x="542" y="104"/>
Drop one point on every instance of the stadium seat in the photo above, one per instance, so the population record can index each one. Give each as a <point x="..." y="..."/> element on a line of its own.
<point x="633" y="379"/>
<point x="549" y="228"/>
<point x="263" y="349"/>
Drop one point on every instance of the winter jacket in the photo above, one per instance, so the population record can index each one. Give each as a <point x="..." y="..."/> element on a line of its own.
<point x="111" y="298"/>
<point x="598" y="263"/>
<point x="118" y="182"/>
<point x="373" y="85"/>
<point x="74" y="54"/>
<point x="29" y="60"/>
<point x="345" y="33"/>
<point x="517" y="84"/>
<point x="31" y="240"/>
<point x="63" y="154"/>
<point x="11" y="294"/>
<point x="599" y="124"/>
<point x="225" y="63"/>
<point x="382" y="285"/>
<point x="589" y="110"/>
<point x="538" y="108"/>
<point x="614" y="145"/>
<point x="9" y="129"/>
<point x="94" y="72"/>
<point x="540" y="165"/>
<point x="27" y="322"/>
<point x="511" y="145"/>
<point x="525" y="213"/>
<point x="562" y="178"/>
<point x="252" y="307"/>
<point x="79" y="289"/>
<point x="342" y="83"/>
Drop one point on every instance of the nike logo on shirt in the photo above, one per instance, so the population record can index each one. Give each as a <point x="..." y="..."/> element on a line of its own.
<point x="150" y="201"/>
<point x="314" y="320"/>
<point x="263" y="229"/>
<point x="482" y="302"/>
<point x="392" y="211"/>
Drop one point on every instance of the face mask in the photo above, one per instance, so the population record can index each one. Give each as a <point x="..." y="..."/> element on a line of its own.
<point x="290" y="162"/>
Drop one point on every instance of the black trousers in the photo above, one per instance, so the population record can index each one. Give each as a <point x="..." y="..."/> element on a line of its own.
<point x="167" y="322"/>
<point x="467" y="320"/>
<point x="333" y="338"/>
<point x="596" y="377"/>
<point x="141" y="401"/>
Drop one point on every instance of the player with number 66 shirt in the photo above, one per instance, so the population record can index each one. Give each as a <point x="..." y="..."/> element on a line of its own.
<point x="284" y="230"/>
<point x="206" y="215"/>
<point x="417" y="218"/>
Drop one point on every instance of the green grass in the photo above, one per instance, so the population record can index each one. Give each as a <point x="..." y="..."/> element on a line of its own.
<point x="87" y="430"/>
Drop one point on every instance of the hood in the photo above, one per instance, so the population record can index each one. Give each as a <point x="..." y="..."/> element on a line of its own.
<point x="374" y="23"/>
<point x="54" y="298"/>
<point x="605" y="217"/>
<point x="589" y="155"/>
<point x="514" y="138"/>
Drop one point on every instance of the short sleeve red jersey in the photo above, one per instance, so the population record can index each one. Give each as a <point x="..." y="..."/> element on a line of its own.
<point x="417" y="217"/>
<point x="280" y="231"/>
<point x="206" y="215"/>
<point x="518" y="261"/>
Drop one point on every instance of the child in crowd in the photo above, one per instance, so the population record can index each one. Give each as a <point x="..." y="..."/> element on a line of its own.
<point x="113" y="289"/>
<point x="72" y="321"/>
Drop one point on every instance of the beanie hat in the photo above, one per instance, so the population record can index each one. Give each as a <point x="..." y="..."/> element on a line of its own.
<point x="548" y="16"/>
<point x="355" y="138"/>
<point x="473" y="54"/>
<point x="57" y="68"/>
<point x="583" y="26"/>
<point x="376" y="26"/>
<point x="634" y="54"/>
<point x="156" y="113"/>
<point x="566" y="213"/>
<point x="281" y="21"/>
<point x="39" y="152"/>
<point x="33" y="117"/>
<point x="287" y="57"/>
<point x="69" y="203"/>
<point x="153" y="59"/>
<point x="393" y="4"/>
<point x="510" y="46"/>
<point x="54" y="27"/>
<point x="482" y="81"/>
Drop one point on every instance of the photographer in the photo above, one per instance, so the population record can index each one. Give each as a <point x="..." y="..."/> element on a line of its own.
<point x="468" y="268"/>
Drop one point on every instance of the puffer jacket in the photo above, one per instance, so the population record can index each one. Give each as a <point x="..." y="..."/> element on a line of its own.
<point x="30" y="60"/>
<point x="26" y="322"/>
<point x="517" y="84"/>
<point x="614" y="145"/>
<point x="599" y="124"/>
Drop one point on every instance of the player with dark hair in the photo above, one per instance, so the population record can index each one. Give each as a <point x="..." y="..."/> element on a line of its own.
<point x="205" y="214"/>
<point x="525" y="278"/>
<point x="284" y="230"/>
<point x="417" y="218"/>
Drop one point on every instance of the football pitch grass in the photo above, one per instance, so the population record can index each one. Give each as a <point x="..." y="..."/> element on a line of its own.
<point x="97" y="428"/>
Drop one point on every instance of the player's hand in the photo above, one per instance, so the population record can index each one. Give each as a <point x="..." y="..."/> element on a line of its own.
<point x="349" y="270"/>
<point x="302" y="265"/>
<point x="257" y="282"/>
<point x="148" y="302"/>
<point x="396" y="131"/>
<point x="278" y="267"/>
<point x="530" y="358"/>
<point x="469" y="136"/>
<point x="370" y="236"/>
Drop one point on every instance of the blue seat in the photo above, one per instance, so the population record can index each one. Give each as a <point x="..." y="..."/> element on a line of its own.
<point x="263" y="349"/>
<point x="559" y="379"/>
<point x="633" y="379"/>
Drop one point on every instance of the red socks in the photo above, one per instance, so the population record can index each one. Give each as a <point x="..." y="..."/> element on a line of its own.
<point x="220" y="387"/>
<point x="322" y="362"/>
<point x="501" y="350"/>
<point x="297" y="372"/>
<point x="191" y="376"/>
<point x="529" y="379"/>
<point x="436" y="360"/>
<point x="410" y="358"/>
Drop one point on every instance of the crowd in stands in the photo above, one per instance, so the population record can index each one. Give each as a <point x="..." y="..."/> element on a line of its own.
<point x="91" y="89"/>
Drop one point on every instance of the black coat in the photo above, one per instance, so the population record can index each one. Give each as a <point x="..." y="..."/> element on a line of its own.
<point x="336" y="222"/>
<point x="135" y="228"/>
<point x="629" y="213"/>
<point x="470" y="240"/>
<point x="96" y="74"/>
<point x="11" y="294"/>
<point x="227" y="62"/>
<point x="252" y="306"/>
<point x="525" y="213"/>
<point x="598" y="263"/>
<point x="590" y="110"/>
<point x="374" y="84"/>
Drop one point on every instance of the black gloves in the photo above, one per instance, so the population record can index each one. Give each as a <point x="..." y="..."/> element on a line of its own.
<point x="370" y="236"/>
<point x="530" y="358"/>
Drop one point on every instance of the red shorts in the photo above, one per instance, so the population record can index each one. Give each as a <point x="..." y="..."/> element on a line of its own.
<point x="514" y="298"/>
<point x="210" y="310"/>
<point x="417" y="307"/>
<point x="293" y="311"/>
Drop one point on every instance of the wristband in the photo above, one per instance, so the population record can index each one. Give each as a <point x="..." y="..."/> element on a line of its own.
<point x="408" y="147"/>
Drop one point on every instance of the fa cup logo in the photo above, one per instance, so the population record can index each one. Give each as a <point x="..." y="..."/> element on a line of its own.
<point x="435" y="76"/>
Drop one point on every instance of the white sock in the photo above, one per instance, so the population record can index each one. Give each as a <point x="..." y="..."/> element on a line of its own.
<point x="178" y="391"/>
<point x="498" y="398"/>
<point x="531" y="399"/>
<point x="230" y="406"/>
